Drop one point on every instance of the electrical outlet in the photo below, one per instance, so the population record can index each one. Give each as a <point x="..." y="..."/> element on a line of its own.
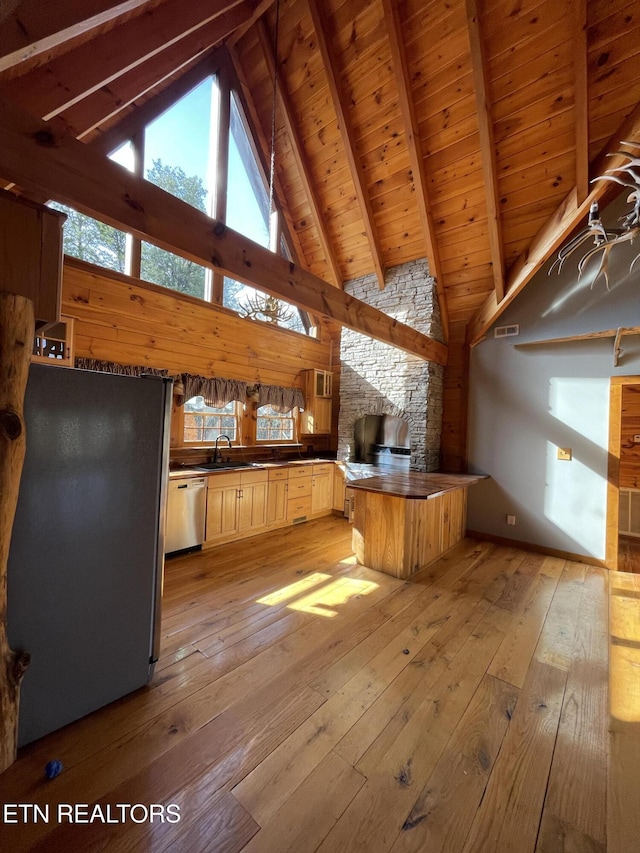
<point x="511" y="519"/>
<point x="564" y="454"/>
<point x="636" y="439"/>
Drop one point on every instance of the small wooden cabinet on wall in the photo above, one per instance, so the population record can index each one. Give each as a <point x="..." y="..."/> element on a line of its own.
<point x="31" y="254"/>
<point x="318" y="389"/>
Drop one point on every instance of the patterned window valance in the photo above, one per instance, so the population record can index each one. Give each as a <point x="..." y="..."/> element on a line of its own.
<point x="279" y="398"/>
<point x="120" y="369"/>
<point x="216" y="391"/>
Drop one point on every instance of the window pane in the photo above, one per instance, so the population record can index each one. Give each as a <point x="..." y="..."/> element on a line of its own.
<point x="275" y="426"/>
<point x="247" y="196"/>
<point x="178" y="150"/>
<point x="204" y="423"/>
<point x="172" y="271"/>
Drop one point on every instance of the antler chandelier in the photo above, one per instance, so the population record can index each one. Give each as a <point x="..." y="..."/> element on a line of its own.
<point x="604" y="239"/>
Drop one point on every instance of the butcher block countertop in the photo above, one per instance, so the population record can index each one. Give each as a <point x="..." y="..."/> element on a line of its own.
<point x="414" y="485"/>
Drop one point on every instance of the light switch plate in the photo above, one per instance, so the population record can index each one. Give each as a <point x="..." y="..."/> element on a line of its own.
<point x="564" y="453"/>
<point x="636" y="439"/>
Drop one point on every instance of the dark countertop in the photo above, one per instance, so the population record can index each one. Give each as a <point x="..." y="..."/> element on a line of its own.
<point x="413" y="485"/>
<point x="194" y="471"/>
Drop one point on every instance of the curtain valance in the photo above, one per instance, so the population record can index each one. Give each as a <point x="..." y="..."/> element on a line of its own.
<point x="215" y="390"/>
<point x="120" y="369"/>
<point x="279" y="398"/>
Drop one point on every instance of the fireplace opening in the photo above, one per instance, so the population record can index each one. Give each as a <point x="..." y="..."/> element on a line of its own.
<point x="382" y="440"/>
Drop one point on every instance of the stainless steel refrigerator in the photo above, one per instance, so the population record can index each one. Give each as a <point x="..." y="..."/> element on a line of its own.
<point x="87" y="550"/>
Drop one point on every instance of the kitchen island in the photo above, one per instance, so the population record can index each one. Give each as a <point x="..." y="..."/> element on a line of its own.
<point x="405" y="520"/>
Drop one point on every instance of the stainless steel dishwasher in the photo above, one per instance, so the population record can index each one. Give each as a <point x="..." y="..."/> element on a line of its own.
<point x="186" y="509"/>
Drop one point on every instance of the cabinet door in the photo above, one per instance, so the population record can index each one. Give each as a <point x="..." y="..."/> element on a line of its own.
<point x="222" y="512"/>
<point x="252" y="507"/>
<point x="322" y="490"/>
<point x="277" y="501"/>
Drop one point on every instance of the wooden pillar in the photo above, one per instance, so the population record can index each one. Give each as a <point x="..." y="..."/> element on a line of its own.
<point x="16" y="340"/>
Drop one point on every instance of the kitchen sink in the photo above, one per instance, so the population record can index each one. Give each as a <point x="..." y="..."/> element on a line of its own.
<point x="217" y="466"/>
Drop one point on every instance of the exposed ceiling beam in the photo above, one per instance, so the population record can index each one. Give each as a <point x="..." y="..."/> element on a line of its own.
<point x="107" y="101"/>
<point x="487" y="147"/>
<point x="263" y="148"/>
<point x="43" y="157"/>
<point x="581" y="100"/>
<point x="348" y="138"/>
<point x="557" y="229"/>
<point x="47" y="92"/>
<point x="34" y="29"/>
<point x="260" y="10"/>
<point x="412" y="132"/>
<point x="297" y="148"/>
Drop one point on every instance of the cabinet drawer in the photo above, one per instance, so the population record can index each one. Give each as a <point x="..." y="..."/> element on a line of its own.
<point x="323" y="468"/>
<point x="300" y="488"/>
<point x="298" y="471"/>
<point x="278" y="474"/>
<point x="248" y="478"/>
<point x="223" y="481"/>
<point x="297" y="507"/>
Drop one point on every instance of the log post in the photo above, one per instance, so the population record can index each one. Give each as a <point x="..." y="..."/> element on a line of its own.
<point x="16" y="341"/>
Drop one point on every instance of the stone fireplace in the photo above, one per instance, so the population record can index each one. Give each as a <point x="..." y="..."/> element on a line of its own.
<point x="378" y="379"/>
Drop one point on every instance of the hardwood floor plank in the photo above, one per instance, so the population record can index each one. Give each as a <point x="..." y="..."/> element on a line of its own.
<point x="443" y="812"/>
<point x="520" y="582"/>
<point x="555" y="645"/>
<point x="312" y="810"/>
<point x="512" y="660"/>
<point x="509" y="815"/>
<point x="574" y="816"/>
<point x="623" y="823"/>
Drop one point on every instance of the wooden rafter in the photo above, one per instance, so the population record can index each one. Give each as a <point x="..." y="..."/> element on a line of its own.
<point x="581" y="100"/>
<point x="91" y="112"/>
<point x="41" y="156"/>
<point x="412" y="132"/>
<point x="487" y="146"/>
<point x="49" y="91"/>
<point x="348" y="139"/>
<point x="556" y="230"/>
<point x="300" y="157"/>
<point x="33" y="29"/>
<point x="263" y="150"/>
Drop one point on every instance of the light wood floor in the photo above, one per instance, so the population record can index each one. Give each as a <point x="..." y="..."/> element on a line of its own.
<point x="305" y="703"/>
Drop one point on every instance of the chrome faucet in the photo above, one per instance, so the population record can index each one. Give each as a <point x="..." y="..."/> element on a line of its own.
<point x="216" y="452"/>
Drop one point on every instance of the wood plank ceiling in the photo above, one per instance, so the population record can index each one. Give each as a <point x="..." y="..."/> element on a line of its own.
<point x="451" y="129"/>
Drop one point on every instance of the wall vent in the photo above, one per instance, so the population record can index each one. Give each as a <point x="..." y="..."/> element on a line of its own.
<point x="506" y="331"/>
<point x="629" y="519"/>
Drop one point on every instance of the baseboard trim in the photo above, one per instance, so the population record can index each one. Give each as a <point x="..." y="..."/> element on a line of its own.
<point x="539" y="549"/>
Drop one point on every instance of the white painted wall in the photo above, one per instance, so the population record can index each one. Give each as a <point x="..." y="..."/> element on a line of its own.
<point x="527" y="401"/>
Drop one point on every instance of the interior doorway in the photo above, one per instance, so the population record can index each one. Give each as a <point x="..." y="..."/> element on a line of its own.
<point x="623" y="489"/>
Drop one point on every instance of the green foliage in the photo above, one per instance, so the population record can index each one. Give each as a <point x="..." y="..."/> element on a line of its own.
<point x="92" y="241"/>
<point x="158" y="265"/>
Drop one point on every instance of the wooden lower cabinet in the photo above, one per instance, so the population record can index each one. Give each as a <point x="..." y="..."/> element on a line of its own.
<point x="236" y="506"/>
<point x="244" y="503"/>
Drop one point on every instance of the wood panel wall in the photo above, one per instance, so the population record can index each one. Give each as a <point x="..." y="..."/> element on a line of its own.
<point x="130" y="322"/>
<point x="630" y="426"/>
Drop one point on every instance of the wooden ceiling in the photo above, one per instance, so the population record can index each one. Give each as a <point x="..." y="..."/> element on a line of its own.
<point x="461" y="130"/>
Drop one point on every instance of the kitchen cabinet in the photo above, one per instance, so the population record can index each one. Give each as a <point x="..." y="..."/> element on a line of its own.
<point x="322" y="488"/>
<point x="277" y="492"/>
<point x="31" y="254"/>
<point x="236" y="506"/>
<point x="338" y="488"/>
<point x="318" y="388"/>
